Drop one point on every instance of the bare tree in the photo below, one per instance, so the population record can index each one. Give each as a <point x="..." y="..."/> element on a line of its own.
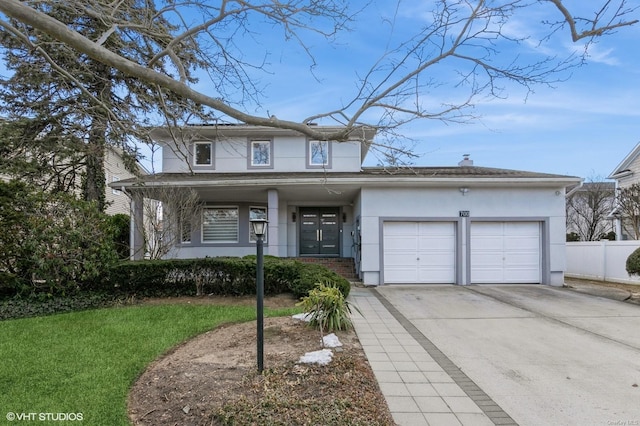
<point x="588" y="209"/>
<point x="170" y="216"/>
<point x="469" y="37"/>
<point x="628" y="209"/>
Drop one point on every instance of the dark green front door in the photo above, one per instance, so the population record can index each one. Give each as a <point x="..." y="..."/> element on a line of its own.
<point x="320" y="231"/>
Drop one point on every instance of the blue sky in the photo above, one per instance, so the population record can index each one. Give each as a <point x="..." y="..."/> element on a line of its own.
<point x="584" y="126"/>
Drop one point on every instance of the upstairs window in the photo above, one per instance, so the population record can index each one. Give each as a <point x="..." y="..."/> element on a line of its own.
<point x="203" y="154"/>
<point x="318" y="154"/>
<point x="260" y="153"/>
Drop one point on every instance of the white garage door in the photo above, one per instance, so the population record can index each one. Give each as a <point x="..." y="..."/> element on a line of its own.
<point x="505" y="252"/>
<point x="419" y="252"/>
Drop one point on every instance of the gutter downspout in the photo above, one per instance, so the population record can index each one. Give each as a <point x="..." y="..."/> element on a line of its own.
<point x="570" y="193"/>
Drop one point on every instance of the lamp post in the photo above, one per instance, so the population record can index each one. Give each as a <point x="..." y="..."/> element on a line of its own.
<point x="259" y="226"/>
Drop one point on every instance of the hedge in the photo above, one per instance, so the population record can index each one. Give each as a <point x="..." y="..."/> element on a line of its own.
<point x="229" y="276"/>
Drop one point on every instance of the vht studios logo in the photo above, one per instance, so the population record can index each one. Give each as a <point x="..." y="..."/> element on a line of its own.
<point x="42" y="417"/>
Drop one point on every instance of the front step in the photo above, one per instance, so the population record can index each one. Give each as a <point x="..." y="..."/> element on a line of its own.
<point x="343" y="266"/>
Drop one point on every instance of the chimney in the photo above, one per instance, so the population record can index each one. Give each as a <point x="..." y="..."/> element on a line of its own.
<point x="465" y="161"/>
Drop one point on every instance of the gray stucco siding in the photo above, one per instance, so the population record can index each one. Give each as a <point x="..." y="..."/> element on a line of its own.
<point x="528" y="203"/>
<point x="289" y="154"/>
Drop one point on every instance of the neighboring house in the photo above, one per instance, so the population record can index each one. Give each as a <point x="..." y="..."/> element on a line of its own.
<point x="589" y="207"/>
<point x="460" y="225"/>
<point x="626" y="174"/>
<point x="115" y="170"/>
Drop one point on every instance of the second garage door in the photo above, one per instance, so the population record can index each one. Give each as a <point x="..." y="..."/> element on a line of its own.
<point x="419" y="252"/>
<point x="505" y="252"/>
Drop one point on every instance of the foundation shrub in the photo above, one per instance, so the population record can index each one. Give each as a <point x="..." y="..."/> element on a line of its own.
<point x="312" y="274"/>
<point x="229" y="276"/>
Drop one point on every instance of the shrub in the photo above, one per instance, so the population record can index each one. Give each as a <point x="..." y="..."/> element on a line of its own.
<point x="312" y="274"/>
<point x="51" y="243"/>
<point x="633" y="263"/>
<point x="39" y="305"/>
<point x="120" y="224"/>
<point x="220" y="276"/>
<point x="185" y="277"/>
<point x="328" y="307"/>
<point x="572" y="237"/>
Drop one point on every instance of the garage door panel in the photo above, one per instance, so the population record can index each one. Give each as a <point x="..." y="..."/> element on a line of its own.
<point x="444" y="244"/>
<point x="419" y="252"/>
<point x="522" y="243"/>
<point x="516" y="276"/>
<point x="435" y="276"/>
<point x="516" y="260"/>
<point x="399" y="259"/>
<point x="490" y="242"/>
<point x="400" y="228"/>
<point x="485" y="260"/>
<point x="522" y="228"/>
<point x="505" y="252"/>
<point x="401" y="275"/>
<point x="443" y="261"/>
<point x="402" y="244"/>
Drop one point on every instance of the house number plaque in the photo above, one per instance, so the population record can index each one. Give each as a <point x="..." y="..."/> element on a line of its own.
<point x="464" y="213"/>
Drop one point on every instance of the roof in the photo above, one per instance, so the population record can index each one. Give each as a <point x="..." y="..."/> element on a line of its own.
<point x="623" y="168"/>
<point x="428" y="176"/>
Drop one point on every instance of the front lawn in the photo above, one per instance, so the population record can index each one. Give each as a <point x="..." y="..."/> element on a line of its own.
<point x="85" y="362"/>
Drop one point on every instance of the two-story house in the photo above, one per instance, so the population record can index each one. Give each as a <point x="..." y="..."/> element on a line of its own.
<point x="625" y="175"/>
<point x="115" y="170"/>
<point x="462" y="224"/>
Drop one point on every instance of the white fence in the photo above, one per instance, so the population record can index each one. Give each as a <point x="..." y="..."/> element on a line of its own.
<point x="600" y="260"/>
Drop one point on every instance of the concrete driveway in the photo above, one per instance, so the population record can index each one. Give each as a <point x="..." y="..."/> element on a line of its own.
<point x="544" y="355"/>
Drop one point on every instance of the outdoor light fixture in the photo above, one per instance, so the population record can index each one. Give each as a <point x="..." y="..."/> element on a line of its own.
<point x="259" y="227"/>
<point x="464" y="190"/>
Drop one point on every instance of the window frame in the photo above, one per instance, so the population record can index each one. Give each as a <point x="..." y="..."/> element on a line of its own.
<point x="204" y="222"/>
<point x="195" y="154"/>
<point x="250" y="157"/>
<point x="115" y="191"/>
<point x="310" y="151"/>
<point x="185" y="225"/>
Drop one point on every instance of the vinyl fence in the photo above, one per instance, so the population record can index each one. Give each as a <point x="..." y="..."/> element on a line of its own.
<point x="601" y="260"/>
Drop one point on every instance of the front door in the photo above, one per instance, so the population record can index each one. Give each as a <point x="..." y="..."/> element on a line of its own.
<point x="320" y="231"/>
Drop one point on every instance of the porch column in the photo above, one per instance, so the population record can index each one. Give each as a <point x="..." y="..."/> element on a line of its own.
<point x="617" y="223"/>
<point x="272" y="214"/>
<point x="136" y="231"/>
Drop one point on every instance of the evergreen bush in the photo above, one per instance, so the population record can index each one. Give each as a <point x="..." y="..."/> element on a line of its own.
<point x="633" y="263"/>
<point x="229" y="276"/>
<point x="311" y="274"/>
<point x="51" y="243"/>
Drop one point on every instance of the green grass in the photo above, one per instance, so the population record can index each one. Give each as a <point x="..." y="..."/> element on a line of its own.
<point x="86" y="362"/>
